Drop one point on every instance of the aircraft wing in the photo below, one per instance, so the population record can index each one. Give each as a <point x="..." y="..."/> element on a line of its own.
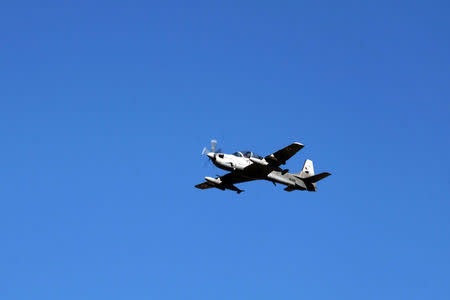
<point x="205" y="185"/>
<point x="227" y="180"/>
<point x="281" y="156"/>
<point x="233" y="178"/>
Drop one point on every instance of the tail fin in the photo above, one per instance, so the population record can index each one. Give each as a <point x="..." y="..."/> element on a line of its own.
<point x="307" y="170"/>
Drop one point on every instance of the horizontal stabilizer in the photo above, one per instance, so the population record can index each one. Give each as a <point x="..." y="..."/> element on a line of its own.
<point x="290" y="189"/>
<point x="317" y="177"/>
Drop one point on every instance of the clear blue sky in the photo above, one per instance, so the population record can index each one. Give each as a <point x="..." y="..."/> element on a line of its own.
<point x="106" y="106"/>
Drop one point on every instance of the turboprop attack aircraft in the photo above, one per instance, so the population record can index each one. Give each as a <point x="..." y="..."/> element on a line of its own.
<point x="248" y="166"/>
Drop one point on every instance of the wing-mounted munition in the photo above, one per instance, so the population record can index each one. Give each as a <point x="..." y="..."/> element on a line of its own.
<point x="247" y="166"/>
<point x="258" y="161"/>
<point x="263" y="162"/>
<point x="214" y="180"/>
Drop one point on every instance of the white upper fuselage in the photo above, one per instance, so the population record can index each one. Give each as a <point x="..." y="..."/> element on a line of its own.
<point x="230" y="162"/>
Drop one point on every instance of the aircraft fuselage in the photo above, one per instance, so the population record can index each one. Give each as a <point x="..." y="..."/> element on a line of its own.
<point x="260" y="170"/>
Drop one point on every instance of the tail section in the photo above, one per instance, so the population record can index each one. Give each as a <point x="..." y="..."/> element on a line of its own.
<point x="308" y="177"/>
<point x="308" y="169"/>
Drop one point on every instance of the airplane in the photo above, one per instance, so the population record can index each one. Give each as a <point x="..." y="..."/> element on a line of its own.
<point x="247" y="166"/>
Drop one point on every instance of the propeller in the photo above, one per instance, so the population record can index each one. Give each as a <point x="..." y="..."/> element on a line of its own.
<point x="213" y="148"/>
<point x="212" y="152"/>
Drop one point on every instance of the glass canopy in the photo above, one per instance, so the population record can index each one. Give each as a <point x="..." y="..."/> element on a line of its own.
<point x="247" y="154"/>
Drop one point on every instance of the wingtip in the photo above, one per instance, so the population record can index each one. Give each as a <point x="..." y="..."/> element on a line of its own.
<point x="300" y="144"/>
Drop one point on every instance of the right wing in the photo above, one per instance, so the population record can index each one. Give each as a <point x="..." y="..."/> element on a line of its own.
<point x="281" y="156"/>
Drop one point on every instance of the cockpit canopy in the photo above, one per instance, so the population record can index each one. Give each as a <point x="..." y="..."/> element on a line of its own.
<point x="247" y="154"/>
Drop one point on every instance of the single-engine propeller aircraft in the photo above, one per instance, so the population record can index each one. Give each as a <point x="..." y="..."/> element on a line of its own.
<point x="248" y="166"/>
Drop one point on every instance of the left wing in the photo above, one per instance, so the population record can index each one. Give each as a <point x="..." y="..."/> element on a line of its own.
<point x="281" y="156"/>
<point x="227" y="181"/>
<point x="233" y="178"/>
<point x="205" y="185"/>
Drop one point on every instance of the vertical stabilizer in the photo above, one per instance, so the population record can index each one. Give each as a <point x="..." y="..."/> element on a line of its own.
<point x="308" y="169"/>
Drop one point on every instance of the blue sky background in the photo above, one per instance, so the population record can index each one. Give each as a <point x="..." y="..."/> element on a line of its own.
<point x="106" y="106"/>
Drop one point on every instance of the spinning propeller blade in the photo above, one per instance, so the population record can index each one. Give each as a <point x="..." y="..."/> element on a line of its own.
<point x="213" y="146"/>
<point x="206" y="151"/>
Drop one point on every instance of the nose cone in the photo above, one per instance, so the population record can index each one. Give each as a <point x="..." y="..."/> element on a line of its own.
<point x="211" y="155"/>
